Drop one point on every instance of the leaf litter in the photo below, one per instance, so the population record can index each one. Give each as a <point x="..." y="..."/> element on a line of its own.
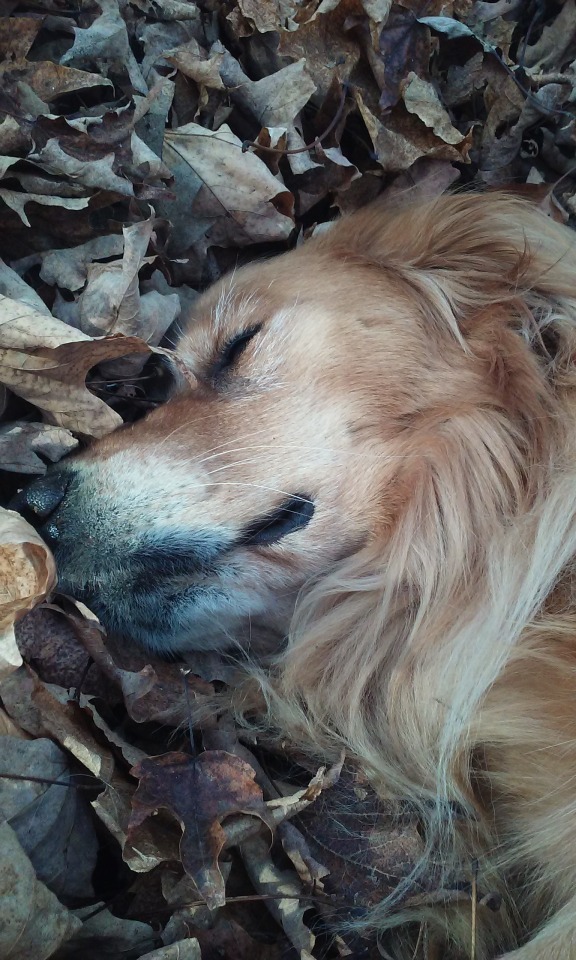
<point x="147" y="146"/>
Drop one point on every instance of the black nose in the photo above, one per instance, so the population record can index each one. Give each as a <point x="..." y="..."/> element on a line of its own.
<point x="39" y="501"/>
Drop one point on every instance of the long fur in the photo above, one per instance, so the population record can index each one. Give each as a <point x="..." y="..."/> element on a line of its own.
<point x="444" y="659"/>
<point x="439" y="652"/>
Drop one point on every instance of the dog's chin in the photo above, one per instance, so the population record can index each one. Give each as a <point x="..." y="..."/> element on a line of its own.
<point x="171" y="624"/>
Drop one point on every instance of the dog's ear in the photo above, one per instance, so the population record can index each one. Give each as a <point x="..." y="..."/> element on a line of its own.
<point x="382" y="645"/>
<point x="466" y="255"/>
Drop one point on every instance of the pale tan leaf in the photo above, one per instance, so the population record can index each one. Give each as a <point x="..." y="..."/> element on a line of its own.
<point x="421" y="98"/>
<point x="195" y="63"/>
<point x="27" y="574"/>
<point x="46" y="362"/>
<point x="92" y="173"/>
<point x="236" y="193"/>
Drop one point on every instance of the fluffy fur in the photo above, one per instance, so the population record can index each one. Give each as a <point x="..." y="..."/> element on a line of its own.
<point x="415" y="377"/>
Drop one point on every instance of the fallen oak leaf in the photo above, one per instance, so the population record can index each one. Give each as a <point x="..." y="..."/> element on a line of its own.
<point x="404" y="45"/>
<point x="27" y="574"/>
<point x="233" y="197"/>
<point x="68" y="267"/>
<point x="199" y="792"/>
<point x="45" y="361"/>
<point x="96" y="173"/>
<point x="64" y="721"/>
<point x="152" y="691"/>
<point x="105" y="43"/>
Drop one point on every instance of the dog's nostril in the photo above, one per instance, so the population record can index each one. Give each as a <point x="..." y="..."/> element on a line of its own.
<point x="50" y="533"/>
<point x="293" y="514"/>
<point x="43" y="496"/>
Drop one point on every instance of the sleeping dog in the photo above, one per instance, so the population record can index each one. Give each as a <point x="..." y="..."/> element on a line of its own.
<point x="369" y="485"/>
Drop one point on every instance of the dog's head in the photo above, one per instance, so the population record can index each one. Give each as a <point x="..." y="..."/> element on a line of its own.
<point x="367" y="406"/>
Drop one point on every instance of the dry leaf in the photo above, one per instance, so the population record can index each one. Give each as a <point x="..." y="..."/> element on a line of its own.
<point x="272" y="882"/>
<point x="23" y="444"/>
<point x="27" y="574"/>
<point x="404" y="45"/>
<point x="52" y="822"/>
<point x="188" y="949"/>
<point x="421" y="98"/>
<point x="33" y="923"/>
<point x="46" y="362"/>
<point x="105" y="44"/>
<point x="234" y="193"/>
<point x="18" y="201"/>
<point x="199" y="792"/>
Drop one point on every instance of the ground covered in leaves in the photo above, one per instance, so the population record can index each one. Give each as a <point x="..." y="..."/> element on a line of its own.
<point x="146" y="146"/>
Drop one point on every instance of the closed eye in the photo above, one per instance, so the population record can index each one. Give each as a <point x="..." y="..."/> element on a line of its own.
<point x="233" y="350"/>
<point x="292" y="515"/>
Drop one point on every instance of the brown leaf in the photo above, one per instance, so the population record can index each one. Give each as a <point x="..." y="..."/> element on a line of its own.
<point x="46" y="362"/>
<point x="47" y="639"/>
<point x="403" y="139"/>
<point x="17" y="34"/>
<point x="421" y="98"/>
<point x="548" y="53"/>
<point x="193" y="61"/>
<point x="111" y="301"/>
<point x="241" y="201"/>
<point x="66" y="723"/>
<point x="268" y="15"/>
<point x="152" y="691"/>
<point x="329" y="49"/>
<point x="49" y="80"/>
<point x="199" y="792"/>
<point x="27" y="574"/>
<point x="275" y="100"/>
<point x="369" y="847"/>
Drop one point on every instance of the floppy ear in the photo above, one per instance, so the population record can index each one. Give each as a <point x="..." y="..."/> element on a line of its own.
<point x="469" y="248"/>
<point x="392" y="652"/>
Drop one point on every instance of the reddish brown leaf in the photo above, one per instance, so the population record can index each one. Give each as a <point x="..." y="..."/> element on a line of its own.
<point x="199" y="792"/>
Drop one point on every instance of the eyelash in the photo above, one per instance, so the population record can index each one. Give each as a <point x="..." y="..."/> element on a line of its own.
<point x="233" y="350"/>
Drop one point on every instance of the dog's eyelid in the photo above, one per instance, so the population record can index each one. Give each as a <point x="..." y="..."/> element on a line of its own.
<point x="233" y="349"/>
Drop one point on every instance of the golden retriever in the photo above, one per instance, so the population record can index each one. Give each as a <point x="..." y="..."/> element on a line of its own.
<point x="370" y="484"/>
